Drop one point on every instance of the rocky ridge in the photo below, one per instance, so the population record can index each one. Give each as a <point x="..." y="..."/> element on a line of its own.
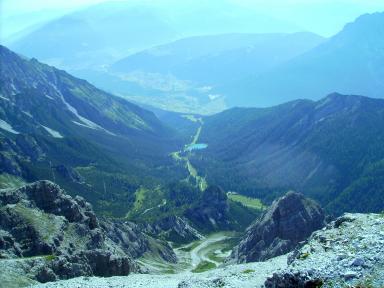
<point x="288" y="221"/>
<point x="47" y="235"/>
<point x="173" y="228"/>
<point x="348" y="252"/>
<point x="212" y="210"/>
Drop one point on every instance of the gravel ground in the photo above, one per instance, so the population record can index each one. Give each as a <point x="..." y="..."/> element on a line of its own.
<point x="245" y="275"/>
<point x="349" y="252"/>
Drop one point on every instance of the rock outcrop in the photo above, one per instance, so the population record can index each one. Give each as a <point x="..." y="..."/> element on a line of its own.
<point x="134" y="240"/>
<point x="348" y="252"/>
<point x="173" y="228"/>
<point x="211" y="211"/>
<point x="54" y="236"/>
<point x="290" y="220"/>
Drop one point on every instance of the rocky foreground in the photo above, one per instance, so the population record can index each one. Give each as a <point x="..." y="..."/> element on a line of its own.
<point x="47" y="235"/>
<point x="348" y="252"/>
<point x="244" y="275"/>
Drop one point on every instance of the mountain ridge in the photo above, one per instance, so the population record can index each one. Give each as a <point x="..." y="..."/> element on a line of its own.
<point x="317" y="148"/>
<point x="349" y="63"/>
<point x="58" y="127"/>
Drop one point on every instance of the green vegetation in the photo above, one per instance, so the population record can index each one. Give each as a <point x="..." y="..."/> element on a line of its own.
<point x="50" y="257"/>
<point x="15" y="279"/>
<point x="45" y="224"/>
<point x="176" y="156"/>
<point x="248" y="271"/>
<point x="10" y="181"/>
<point x="204" y="266"/>
<point x="220" y="250"/>
<point x="116" y="155"/>
<point x="140" y="197"/>
<point x="241" y="216"/>
<point x="192" y="118"/>
<point x="247" y="201"/>
<point x="197" y="135"/>
<point x="353" y="153"/>
<point x="190" y="247"/>
<point x="371" y="183"/>
<point x="304" y="256"/>
<point x="200" y="181"/>
<point x="104" y="157"/>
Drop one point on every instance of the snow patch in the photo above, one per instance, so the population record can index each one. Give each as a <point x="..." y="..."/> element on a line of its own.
<point x="27" y="113"/>
<point x="53" y="133"/>
<point x="2" y="97"/>
<point x="5" y="126"/>
<point x="84" y="121"/>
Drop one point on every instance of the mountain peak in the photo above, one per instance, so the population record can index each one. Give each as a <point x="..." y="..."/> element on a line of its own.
<point x="365" y="28"/>
<point x="289" y="220"/>
<point x="336" y="99"/>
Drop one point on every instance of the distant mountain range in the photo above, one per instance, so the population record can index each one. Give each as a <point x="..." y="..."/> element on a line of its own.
<point x="188" y="71"/>
<point x="208" y="74"/>
<point x="213" y="60"/>
<point x="99" y="34"/>
<point x="330" y="150"/>
<point x="218" y="69"/>
<point x="351" y="62"/>
<point x="184" y="75"/>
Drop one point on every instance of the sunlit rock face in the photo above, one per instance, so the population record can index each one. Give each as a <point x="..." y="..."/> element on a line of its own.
<point x="290" y="220"/>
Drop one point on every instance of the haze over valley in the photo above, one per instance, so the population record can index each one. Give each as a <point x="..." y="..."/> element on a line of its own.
<point x="188" y="143"/>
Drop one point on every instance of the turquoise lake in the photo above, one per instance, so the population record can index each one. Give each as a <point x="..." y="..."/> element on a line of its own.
<point x="197" y="146"/>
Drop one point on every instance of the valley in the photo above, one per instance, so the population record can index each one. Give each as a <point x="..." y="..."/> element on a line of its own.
<point x="195" y="257"/>
<point x="183" y="155"/>
<point x="192" y="144"/>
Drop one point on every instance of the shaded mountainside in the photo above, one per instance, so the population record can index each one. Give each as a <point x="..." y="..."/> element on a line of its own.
<point x="54" y="126"/>
<point x="288" y="221"/>
<point x="330" y="150"/>
<point x="351" y="62"/>
<point x="46" y="235"/>
<point x="113" y="153"/>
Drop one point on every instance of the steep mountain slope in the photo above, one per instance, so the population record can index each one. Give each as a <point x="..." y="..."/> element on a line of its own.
<point x="330" y="150"/>
<point x="55" y="126"/>
<point x="290" y="220"/>
<point x="351" y="62"/>
<point x="113" y="153"/>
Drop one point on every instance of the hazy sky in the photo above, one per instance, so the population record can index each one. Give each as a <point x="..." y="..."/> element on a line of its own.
<point x="325" y="17"/>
